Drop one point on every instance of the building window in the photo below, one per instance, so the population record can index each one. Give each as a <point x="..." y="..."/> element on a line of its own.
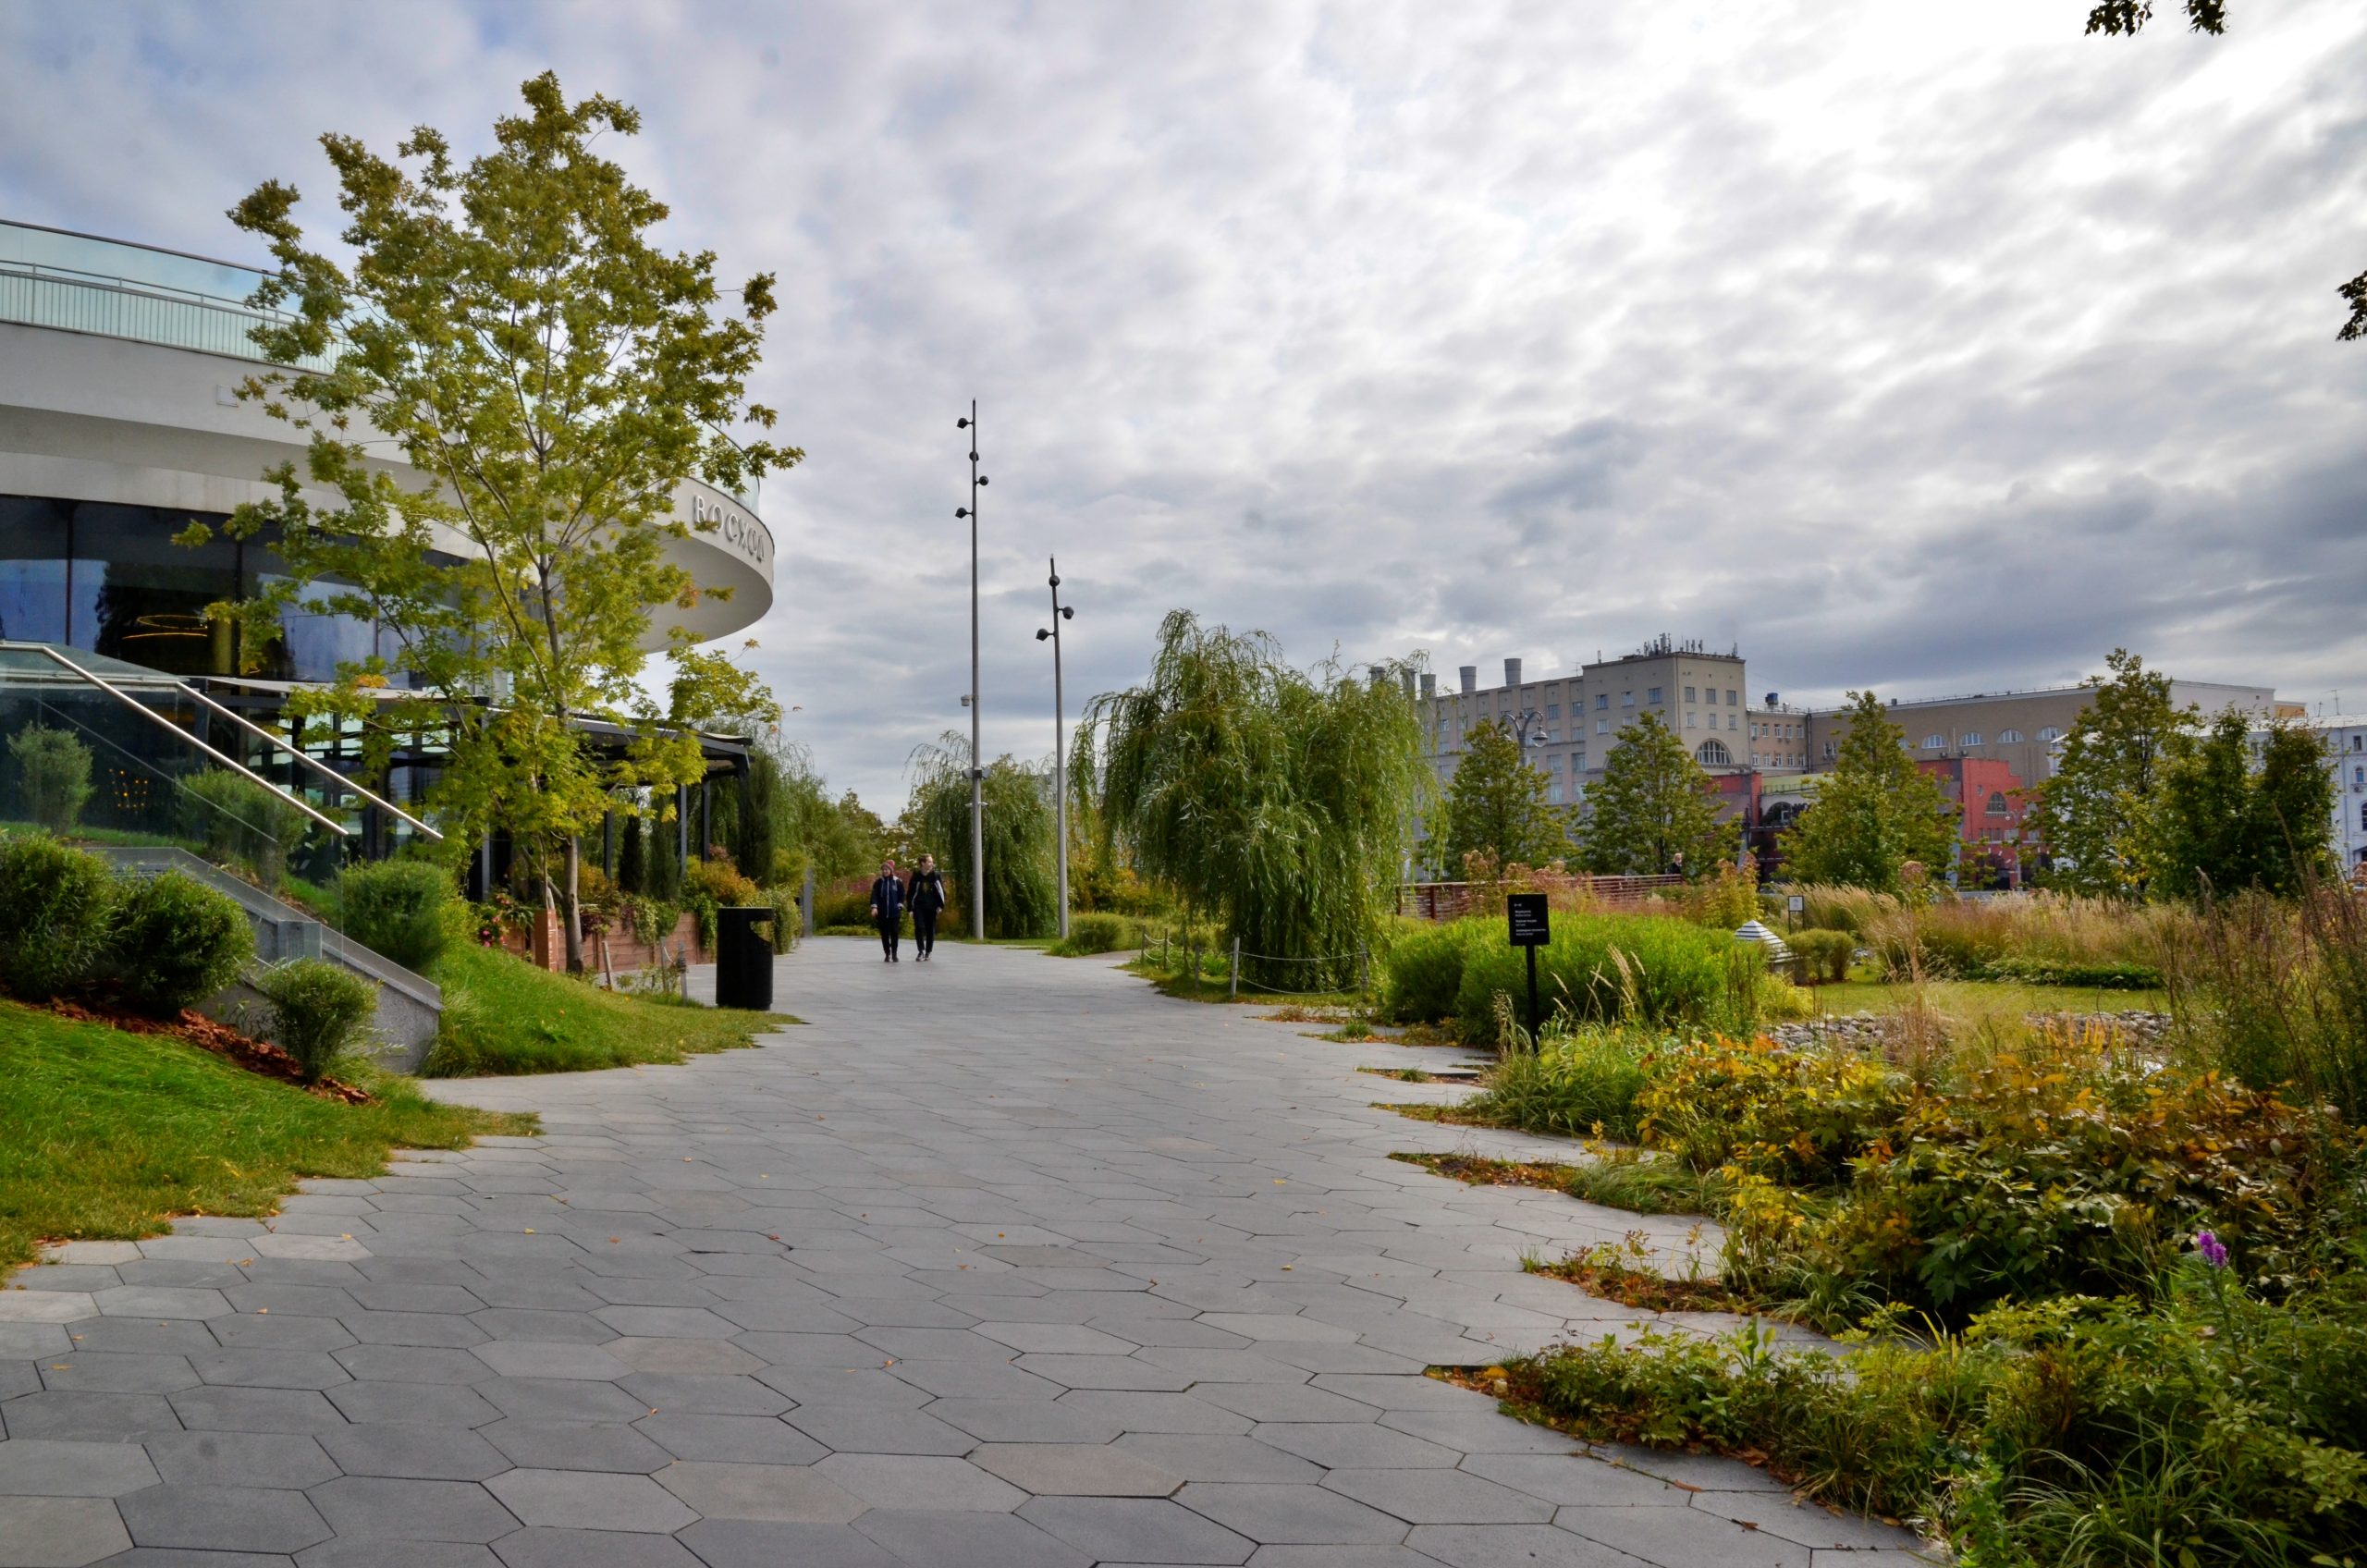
<point x="1998" y="806"/>
<point x="1828" y="751"/>
<point x="1602" y="727"/>
<point x="2009" y="737"/>
<point x="1602" y="699"/>
<point x="1933" y="742"/>
<point x="1578" y="765"/>
<point x="1714" y="752"/>
<point x="1969" y="738"/>
<point x="1553" y="793"/>
<point x="1626" y="699"/>
<point x="2050" y="733"/>
<point x="1690" y="720"/>
<point x="2362" y="817"/>
<point x="1552" y="710"/>
<point x="1652" y="695"/>
<point x="1730" y="721"/>
<point x="1689" y="697"/>
<point x="2358" y="778"/>
<point x="1731" y="696"/>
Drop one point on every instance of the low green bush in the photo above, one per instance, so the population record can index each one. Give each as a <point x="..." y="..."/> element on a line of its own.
<point x="1421" y="973"/>
<point x="2102" y="975"/>
<point x="2214" y="1428"/>
<point x="1096" y="934"/>
<point x="318" y="1010"/>
<point x="57" y="906"/>
<point x="176" y="941"/>
<point x="395" y="909"/>
<point x="52" y="774"/>
<point x="1642" y="968"/>
<point x="1824" y="955"/>
<point x="1571" y="1086"/>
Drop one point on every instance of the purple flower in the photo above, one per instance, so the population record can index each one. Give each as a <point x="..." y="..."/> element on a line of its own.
<point x="2214" y="1252"/>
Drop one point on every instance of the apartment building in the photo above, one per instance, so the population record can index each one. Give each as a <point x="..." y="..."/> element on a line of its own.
<point x="2345" y="736"/>
<point x="2018" y="729"/>
<point x="1572" y="721"/>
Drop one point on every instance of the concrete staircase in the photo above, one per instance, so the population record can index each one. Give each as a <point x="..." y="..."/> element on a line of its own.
<point x="410" y="1007"/>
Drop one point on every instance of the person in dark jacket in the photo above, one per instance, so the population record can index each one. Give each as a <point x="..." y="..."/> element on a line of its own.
<point x="924" y="895"/>
<point x="888" y="909"/>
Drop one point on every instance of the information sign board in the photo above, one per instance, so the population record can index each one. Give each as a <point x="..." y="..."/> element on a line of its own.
<point x="1528" y="917"/>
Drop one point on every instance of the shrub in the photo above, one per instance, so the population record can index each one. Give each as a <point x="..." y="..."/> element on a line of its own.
<point x="318" y="1010"/>
<point x="1096" y="934"/>
<point x="239" y="822"/>
<point x="1571" y="1086"/>
<point x="2077" y="1431"/>
<point x="1422" y="972"/>
<point x="1824" y="955"/>
<point x="52" y="775"/>
<point x="1832" y="908"/>
<point x="396" y="909"/>
<point x="1646" y="969"/>
<point x="1725" y="901"/>
<point x="1797" y="1117"/>
<point x="55" y="906"/>
<point x="176" y="941"/>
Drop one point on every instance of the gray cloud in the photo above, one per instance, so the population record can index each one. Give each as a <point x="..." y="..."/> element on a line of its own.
<point x="1921" y="350"/>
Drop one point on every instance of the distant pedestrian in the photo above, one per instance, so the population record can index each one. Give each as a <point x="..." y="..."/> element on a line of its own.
<point x="888" y="908"/>
<point x="925" y="894"/>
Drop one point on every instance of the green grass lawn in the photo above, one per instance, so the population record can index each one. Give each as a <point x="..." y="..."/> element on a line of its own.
<point x="108" y="1133"/>
<point x="1975" y="1000"/>
<point x="506" y="1016"/>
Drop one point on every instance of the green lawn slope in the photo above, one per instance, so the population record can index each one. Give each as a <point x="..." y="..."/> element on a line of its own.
<point x="104" y="1135"/>
<point x="503" y="1016"/>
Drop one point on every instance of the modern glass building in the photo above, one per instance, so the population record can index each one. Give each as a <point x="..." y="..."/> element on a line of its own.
<point x="120" y="425"/>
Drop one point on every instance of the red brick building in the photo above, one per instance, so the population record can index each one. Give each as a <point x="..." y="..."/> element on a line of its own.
<point x="1988" y="796"/>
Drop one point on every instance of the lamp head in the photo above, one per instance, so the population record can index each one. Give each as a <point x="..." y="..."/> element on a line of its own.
<point x="1041" y="634"/>
<point x="961" y="424"/>
<point x="1068" y="612"/>
<point x="981" y="479"/>
<point x="961" y="511"/>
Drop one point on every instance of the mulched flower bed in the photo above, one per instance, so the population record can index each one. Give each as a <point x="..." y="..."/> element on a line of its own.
<point x="194" y="1028"/>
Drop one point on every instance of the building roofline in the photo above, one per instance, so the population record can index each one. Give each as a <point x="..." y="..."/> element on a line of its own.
<point x="139" y="245"/>
<point x="2018" y="693"/>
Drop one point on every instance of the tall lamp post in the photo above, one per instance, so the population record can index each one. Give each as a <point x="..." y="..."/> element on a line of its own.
<point x="1060" y="750"/>
<point x="977" y="768"/>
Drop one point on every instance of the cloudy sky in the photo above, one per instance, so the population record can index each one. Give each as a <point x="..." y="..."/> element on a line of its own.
<point x="1928" y="346"/>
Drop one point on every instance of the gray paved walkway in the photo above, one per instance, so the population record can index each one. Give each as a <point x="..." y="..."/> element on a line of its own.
<point x="1002" y="1260"/>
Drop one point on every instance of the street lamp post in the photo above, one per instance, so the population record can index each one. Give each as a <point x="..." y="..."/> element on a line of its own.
<point x="977" y="768"/>
<point x="1059" y="749"/>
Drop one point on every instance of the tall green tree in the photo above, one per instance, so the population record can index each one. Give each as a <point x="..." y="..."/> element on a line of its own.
<point x="1495" y="807"/>
<point x="1023" y="890"/>
<point x="509" y="330"/>
<point x="2127" y="18"/>
<point x="2225" y="820"/>
<point x="1277" y="801"/>
<point x="1873" y="813"/>
<point x="1652" y="811"/>
<point x="2095" y="813"/>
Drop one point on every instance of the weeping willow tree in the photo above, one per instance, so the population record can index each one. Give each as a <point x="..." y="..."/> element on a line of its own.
<point x="1023" y="895"/>
<point x="1276" y="802"/>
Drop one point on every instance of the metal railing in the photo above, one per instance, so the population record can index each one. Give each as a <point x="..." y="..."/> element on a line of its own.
<point x="32" y="294"/>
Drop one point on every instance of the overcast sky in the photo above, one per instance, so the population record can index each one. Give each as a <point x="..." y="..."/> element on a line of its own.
<point x="1932" y="347"/>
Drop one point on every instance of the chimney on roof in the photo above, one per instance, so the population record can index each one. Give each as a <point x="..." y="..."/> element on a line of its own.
<point x="1470" y="673"/>
<point x="1512" y="672"/>
<point x="1429" y="685"/>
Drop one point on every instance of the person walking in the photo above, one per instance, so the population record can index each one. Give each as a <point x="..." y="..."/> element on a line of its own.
<point x="888" y="909"/>
<point x="924" y="895"/>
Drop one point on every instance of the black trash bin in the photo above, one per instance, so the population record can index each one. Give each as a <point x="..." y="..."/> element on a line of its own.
<point x="743" y="959"/>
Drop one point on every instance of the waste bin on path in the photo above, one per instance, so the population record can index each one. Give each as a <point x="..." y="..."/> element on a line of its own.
<point x="743" y="958"/>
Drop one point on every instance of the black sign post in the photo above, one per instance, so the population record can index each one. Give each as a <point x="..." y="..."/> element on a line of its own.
<point x="1528" y="923"/>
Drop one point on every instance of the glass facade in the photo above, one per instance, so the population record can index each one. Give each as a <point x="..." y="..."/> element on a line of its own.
<point x="109" y="580"/>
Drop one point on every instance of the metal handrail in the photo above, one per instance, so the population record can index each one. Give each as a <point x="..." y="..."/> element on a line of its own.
<point x="260" y="733"/>
<point x="36" y="276"/>
<point x="154" y="718"/>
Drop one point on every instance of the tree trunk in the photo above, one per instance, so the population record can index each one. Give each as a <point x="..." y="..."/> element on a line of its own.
<point x="573" y="923"/>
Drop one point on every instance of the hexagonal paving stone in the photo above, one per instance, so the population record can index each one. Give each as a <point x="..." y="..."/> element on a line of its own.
<point x="589" y="1501"/>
